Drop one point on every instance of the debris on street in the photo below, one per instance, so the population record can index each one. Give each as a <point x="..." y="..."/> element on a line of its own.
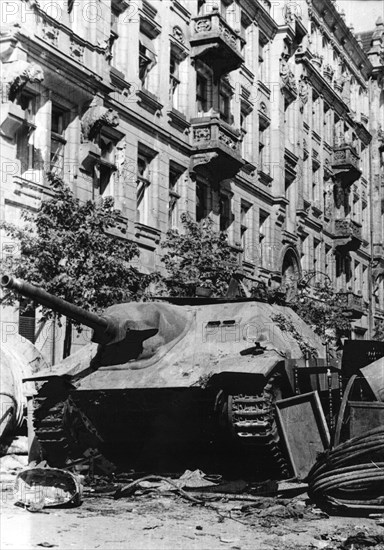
<point x="37" y="488"/>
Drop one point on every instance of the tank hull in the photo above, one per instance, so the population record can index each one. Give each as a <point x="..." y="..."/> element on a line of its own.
<point x="201" y="391"/>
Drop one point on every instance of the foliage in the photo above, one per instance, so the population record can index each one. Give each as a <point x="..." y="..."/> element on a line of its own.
<point x="379" y="330"/>
<point x="65" y="248"/>
<point x="271" y="295"/>
<point x="198" y="257"/>
<point x="286" y="324"/>
<point x="323" y="308"/>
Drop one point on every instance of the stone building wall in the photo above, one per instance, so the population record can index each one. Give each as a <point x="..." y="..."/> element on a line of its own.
<point x="254" y="113"/>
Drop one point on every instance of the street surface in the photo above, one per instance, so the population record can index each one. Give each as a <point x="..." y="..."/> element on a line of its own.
<point x="154" y="519"/>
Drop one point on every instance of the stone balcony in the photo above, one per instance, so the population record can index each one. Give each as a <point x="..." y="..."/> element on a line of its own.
<point x="216" y="43"/>
<point x="347" y="234"/>
<point x="345" y="164"/>
<point x="216" y="146"/>
<point x="353" y="304"/>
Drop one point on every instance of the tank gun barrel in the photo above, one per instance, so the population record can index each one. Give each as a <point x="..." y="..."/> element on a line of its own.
<point x="105" y="330"/>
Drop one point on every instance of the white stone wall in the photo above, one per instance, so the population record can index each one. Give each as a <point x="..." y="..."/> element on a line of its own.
<point x="288" y="202"/>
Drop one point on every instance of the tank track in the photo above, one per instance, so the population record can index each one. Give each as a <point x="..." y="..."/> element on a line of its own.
<point x="252" y="422"/>
<point x="62" y="430"/>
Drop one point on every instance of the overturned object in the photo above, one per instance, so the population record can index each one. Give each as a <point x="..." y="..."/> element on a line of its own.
<point x="47" y="487"/>
<point x="19" y="358"/>
<point x="349" y="479"/>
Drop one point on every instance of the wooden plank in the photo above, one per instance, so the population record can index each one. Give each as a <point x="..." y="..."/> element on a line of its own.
<point x="304" y="430"/>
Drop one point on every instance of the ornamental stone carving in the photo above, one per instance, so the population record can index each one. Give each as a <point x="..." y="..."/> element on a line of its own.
<point x="287" y="76"/>
<point x="201" y="134"/>
<point x="227" y="34"/>
<point x="263" y="108"/>
<point x="328" y="72"/>
<point x="317" y="59"/>
<point x="229" y="142"/>
<point x="50" y="33"/>
<point x="15" y="75"/>
<point x="77" y="51"/>
<point x="95" y="118"/>
<point x="178" y="34"/>
<point x="203" y="25"/>
<point x="289" y="13"/>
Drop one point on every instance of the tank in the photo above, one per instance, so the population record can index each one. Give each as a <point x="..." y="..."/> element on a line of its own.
<point x="168" y="385"/>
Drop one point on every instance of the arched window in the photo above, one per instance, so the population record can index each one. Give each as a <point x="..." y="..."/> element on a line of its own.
<point x="290" y="274"/>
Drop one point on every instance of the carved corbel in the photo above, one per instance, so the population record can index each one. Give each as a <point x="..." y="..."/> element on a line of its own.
<point x="15" y="75"/>
<point x="95" y="118"/>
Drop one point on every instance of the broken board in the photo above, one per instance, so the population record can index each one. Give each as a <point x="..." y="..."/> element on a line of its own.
<point x="304" y="431"/>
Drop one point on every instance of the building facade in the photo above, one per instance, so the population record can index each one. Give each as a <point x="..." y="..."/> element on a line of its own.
<point x="373" y="44"/>
<point x="259" y="114"/>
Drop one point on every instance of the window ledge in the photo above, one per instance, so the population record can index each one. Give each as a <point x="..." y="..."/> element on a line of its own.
<point x="178" y="120"/>
<point x="149" y="101"/>
<point x="148" y="232"/>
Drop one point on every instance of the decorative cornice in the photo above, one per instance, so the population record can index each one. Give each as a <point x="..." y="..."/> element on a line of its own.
<point x="324" y="11"/>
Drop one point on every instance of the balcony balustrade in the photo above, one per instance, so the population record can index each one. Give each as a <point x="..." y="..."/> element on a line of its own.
<point x="353" y="304"/>
<point x="216" y="43"/>
<point x="216" y="145"/>
<point x="346" y="164"/>
<point x="347" y="234"/>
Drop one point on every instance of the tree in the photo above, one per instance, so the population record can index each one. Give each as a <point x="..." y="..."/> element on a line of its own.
<point x="323" y="308"/>
<point x="198" y="257"/>
<point x="67" y="248"/>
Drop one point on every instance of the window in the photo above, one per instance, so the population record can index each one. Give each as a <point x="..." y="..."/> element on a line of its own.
<point x="263" y="227"/>
<point x="27" y="320"/>
<point x="225" y="95"/>
<point x="106" y="166"/>
<point x="201" y="7"/>
<point x="147" y="58"/>
<point x="328" y="261"/>
<point x="364" y="287"/>
<point x="316" y="258"/>
<point x="174" y="80"/>
<point x="245" y="232"/>
<point x="343" y="270"/>
<point x="244" y="123"/>
<point x="175" y="175"/>
<point x="262" y="150"/>
<point x="201" y="201"/>
<point x="58" y="140"/>
<point x="261" y="61"/>
<point x="203" y="92"/>
<point x="25" y="152"/>
<point x="327" y="124"/>
<point x="338" y="133"/>
<point x="225" y="211"/>
<point x="113" y="37"/>
<point x="364" y="220"/>
<point x="145" y="157"/>
<point x="246" y="44"/>
<point x="315" y="113"/>
<point x="357" y="282"/>
<point x="316" y="186"/>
